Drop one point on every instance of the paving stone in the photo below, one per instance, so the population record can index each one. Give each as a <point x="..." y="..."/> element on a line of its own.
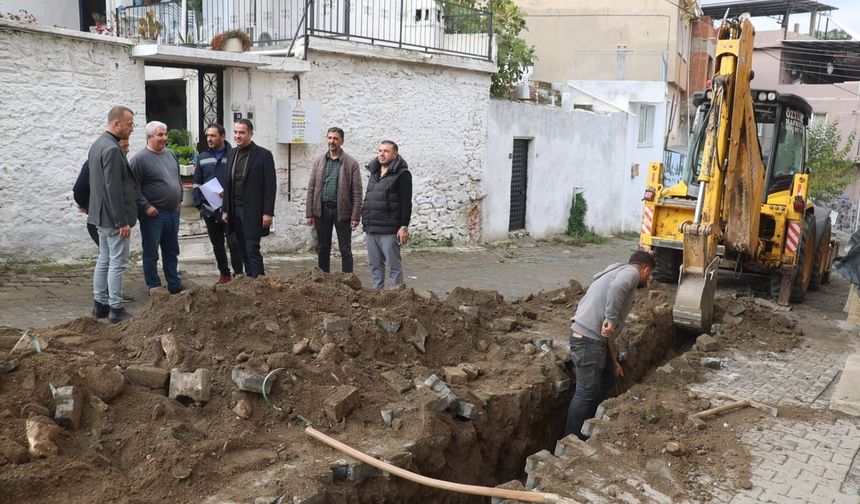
<point x="68" y="406"/>
<point x="707" y="343"/>
<point x="195" y="386"/>
<point x="455" y="375"/>
<point x="389" y="326"/>
<point x="341" y="402"/>
<point x="397" y="381"/>
<point x="846" y="395"/>
<point x="335" y="324"/>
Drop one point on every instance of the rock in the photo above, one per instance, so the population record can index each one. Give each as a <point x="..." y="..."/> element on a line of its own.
<point x="730" y="320"/>
<point x="389" y="326"/>
<point x="301" y="347"/>
<point x="266" y="325"/>
<point x="342" y="402"/>
<point x="419" y="339"/>
<point x="529" y="349"/>
<point x="711" y="362"/>
<point x="10" y="451"/>
<point x="455" y="375"/>
<point x="330" y="352"/>
<point x="393" y="411"/>
<point x="180" y="472"/>
<point x="335" y="324"/>
<point x="68" y="406"/>
<point x="9" y="366"/>
<point x="471" y="370"/>
<point x="707" y="343"/>
<point x="483" y="345"/>
<point x="426" y="295"/>
<point x="97" y="404"/>
<point x="666" y="368"/>
<point x="148" y="376"/>
<point x="465" y="410"/>
<point x="745" y="484"/>
<point x="195" y="386"/>
<point x="397" y="382"/>
<point x="676" y="448"/>
<point x="41" y="434"/>
<point x="559" y="300"/>
<point x="104" y="381"/>
<point x="470" y="310"/>
<point x="504" y="324"/>
<point x="352" y="281"/>
<point x="30" y="342"/>
<point x="653" y="418"/>
<point x="243" y="409"/>
<point x="735" y="309"/>
<point x="574" y="288"/>
<point x="171" y="349"/>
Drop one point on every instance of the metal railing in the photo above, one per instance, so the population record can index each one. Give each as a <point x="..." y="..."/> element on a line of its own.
<point x="441" y="26"/>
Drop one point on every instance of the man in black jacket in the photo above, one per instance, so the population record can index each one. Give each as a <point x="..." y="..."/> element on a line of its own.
<point x="249" y="198"/>
<point x="386" y="213"/>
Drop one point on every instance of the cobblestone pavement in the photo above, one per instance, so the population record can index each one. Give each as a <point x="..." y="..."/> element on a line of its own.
<point x="814" y="460"/>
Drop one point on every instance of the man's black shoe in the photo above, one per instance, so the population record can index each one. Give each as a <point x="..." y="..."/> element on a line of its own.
<point x="176" y="291"/>
<point x="117" y="315"/>
<point x="100" y="310"/>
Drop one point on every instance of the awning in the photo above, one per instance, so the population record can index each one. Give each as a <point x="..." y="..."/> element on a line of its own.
<point x="168" y="55"/>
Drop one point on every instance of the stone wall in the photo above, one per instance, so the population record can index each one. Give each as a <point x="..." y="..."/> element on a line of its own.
<point x="56" y="87"/>
<point x="436" y="114"/>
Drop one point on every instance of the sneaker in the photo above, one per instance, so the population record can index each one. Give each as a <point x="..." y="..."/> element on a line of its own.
<point x="117" y="315"/>
<point x="100" y="310"/>
<point x="224" y="279"/>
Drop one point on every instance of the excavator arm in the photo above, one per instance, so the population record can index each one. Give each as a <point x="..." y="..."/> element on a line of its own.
<point x="730" y="181"/>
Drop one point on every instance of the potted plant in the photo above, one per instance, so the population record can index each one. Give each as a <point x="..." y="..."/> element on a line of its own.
<point x="149" y="28"/>
<point x="231" y="40"/>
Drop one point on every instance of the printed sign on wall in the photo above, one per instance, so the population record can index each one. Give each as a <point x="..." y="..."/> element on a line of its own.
<point x="299" y="121"/>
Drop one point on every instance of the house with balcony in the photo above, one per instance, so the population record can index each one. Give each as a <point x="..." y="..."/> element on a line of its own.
<point x="414" y="71"/>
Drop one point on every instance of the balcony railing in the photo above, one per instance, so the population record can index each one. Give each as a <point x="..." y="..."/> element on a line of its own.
<point x="439" y="26"/>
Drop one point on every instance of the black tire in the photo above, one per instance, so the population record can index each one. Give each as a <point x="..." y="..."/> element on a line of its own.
<point x="805" y="256"/>
<point x="667" y="267"/>
<point x="822" y="253"/>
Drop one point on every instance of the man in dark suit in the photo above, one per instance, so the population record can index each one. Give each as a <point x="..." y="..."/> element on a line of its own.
<point x="249" y="198"/>
<point x="113" y="209"/>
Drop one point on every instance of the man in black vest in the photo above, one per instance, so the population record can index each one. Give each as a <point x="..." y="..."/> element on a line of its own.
<point x="249" y="198"/>
<point x="386" y="213"/>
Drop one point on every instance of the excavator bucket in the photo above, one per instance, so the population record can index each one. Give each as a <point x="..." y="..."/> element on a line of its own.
<point x="694" y="300"/>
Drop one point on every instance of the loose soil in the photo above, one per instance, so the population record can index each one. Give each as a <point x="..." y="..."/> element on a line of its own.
<point x="136" y="445"/>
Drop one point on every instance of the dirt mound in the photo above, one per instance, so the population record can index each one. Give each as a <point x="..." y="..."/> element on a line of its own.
<point x="328" y="335"/>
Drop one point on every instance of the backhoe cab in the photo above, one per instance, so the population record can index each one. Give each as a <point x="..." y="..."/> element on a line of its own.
<point x="742" y="202"/>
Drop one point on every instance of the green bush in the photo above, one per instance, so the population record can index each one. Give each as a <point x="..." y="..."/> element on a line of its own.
<point x="176" y="137"/>
<point x="576" y="222"/>
<point x="185" y="153"/>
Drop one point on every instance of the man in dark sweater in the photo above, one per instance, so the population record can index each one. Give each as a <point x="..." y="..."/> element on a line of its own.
<point x="249" y="198"/>
<point x="212" y="164"/>
<point x="81" y="190"/>
<point x="386" y="213"/>
<point x="157" y="171"/>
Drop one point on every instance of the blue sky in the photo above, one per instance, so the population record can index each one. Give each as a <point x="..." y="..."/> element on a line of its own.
<point x="848" y="13"/>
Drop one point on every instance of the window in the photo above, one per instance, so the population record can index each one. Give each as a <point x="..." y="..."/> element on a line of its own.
<point x="789" y="148"/>
<point x="819" y="118"/>
<point x="646" y="125"/>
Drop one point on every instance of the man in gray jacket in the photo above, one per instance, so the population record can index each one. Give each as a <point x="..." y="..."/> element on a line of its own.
<point x="598" y="320"/>
<point x="113" y="210"/>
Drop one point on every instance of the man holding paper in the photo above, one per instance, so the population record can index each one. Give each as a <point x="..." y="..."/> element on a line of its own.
<point x="210" y="178"/>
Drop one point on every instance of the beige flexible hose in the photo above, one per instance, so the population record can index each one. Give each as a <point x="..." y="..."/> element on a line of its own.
<point x="519" y="495"/>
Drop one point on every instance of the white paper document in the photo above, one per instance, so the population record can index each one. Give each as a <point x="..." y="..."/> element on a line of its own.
<point x="212" y="191"/>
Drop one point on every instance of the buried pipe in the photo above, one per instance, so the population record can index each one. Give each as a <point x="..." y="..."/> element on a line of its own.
<point x="520" y="495"/>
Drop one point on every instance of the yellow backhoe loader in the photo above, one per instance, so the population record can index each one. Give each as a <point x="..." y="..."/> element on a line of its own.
<point x="743" y="199"/>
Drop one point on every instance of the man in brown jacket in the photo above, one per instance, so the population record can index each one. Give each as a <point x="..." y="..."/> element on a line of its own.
<point x="334" y="199"/>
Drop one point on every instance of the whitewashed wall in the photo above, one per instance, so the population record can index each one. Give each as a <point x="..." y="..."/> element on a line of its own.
<point x="436" y="114"/>
<point x="569" y="149"/>
<point x="56" y="87"/>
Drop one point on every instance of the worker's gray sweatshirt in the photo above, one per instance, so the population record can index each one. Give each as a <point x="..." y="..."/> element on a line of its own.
<point x="609" y="297"/>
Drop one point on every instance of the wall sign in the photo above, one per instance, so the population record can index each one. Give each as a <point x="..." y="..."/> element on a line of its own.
<point x="299" y="121"/>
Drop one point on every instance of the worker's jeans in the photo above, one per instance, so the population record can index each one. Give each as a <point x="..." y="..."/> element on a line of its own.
<point x="594" y="378"/>
<point x="344" y="239"/>
<point x="161" y="231"/>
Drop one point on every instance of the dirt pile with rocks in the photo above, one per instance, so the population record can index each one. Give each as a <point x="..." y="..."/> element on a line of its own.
<point x="345" y="356"/>
<point x="354" y="363"/>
